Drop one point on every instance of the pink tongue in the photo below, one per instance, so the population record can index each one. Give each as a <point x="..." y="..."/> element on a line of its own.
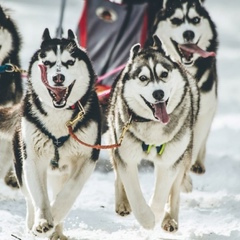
<point x="193" y="48"/>
<point x="58" y="91"/>
<point x="161" y="113"/>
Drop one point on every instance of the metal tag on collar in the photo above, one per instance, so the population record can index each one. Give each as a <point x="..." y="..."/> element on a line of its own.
<point x="78" y="117"/>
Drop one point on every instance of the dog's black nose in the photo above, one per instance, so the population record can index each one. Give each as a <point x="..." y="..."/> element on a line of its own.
<point x="59" y="78"/>
<point x="158" y="94"/>
<point x="188" y="35"/>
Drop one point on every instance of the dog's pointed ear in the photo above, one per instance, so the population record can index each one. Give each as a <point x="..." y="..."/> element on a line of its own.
<point x="134" y="50"/>
<point x="201" y="1"/>
<point x="157" y="44"/>
<point x="164" y="3"/>
<point x="46" y="35"/>
<point x="2" y="14"/>
<point x="71" y="35"/>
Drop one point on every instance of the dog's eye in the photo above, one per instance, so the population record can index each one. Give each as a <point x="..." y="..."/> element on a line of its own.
<point x="196" y="20"/>
<point x="164" y="74"/>
<point x="42" y="55"/>
<point x="47" y="63"/>
<point x="143" y="78"/>
<point x="70" y="62"/>
<point x="176" y="21"/>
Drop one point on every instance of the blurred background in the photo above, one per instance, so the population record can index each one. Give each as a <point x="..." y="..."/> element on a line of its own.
<point x="33" y="16"/>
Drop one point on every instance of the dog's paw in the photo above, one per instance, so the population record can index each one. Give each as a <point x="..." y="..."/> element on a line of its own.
<point x="169" y="225"/>
<point x="198" y="168"/>
<point x="42" y="228"/>
<point x="58" y="236"/>
<point x="58" y="233"/>
<point x="123" y="209"/>
<point x="11" y="180"/>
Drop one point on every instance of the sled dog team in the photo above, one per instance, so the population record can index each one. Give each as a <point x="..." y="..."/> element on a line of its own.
<point x="161" y="107"/>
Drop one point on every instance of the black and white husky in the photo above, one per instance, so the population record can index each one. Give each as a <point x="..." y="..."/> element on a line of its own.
<point x="189" y="36"/>
<point x="11" y="89"/>
<point x="60" y="88"/>
<point x="158" y="103"/>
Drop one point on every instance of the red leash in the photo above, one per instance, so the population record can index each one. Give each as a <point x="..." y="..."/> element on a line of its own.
<point x="79" y="116"/>
<point x="97" y="146"/>
<point x="115" y="70"/>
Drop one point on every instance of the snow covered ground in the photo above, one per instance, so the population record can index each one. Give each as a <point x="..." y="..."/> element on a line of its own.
<point x="211" y="211"/>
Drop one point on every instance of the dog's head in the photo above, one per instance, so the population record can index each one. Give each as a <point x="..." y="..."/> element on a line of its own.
<point x="61" y="72"/>
<point x="153" y="83"/>
<point x="186" y="30"/>
<point x="9" y="37"/>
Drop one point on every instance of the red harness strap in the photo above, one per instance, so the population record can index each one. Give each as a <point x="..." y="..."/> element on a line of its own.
<point x="97" y="146"/>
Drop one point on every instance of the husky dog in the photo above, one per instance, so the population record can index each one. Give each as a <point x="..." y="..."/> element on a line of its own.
<point x="60" y="88"/>
<point x="159" y="105"/>
<point x="189" y="36"/>
<point x="11" y="89"/>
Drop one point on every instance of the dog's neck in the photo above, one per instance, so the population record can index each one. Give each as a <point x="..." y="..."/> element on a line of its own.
<point x="137" y="118"/>
<point x="83" y="102"/>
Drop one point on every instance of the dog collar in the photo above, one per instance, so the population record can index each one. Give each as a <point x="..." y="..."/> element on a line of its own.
<point x="75" y="105"/>
<point x="82" y="102"/>
<point x="147" y="148"/>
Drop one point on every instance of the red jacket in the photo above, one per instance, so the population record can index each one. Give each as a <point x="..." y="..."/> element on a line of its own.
<point x="108" y="30"/>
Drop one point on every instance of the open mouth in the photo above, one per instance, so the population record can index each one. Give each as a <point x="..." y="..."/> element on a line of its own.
<point x="159" y="110"/>
<point x="187" y="50"/>
<point x="59" y="95"/>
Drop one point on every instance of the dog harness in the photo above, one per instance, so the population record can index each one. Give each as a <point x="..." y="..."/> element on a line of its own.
<point x="147" y="148"/>
<point x="9" y="68"/>
<point x="57" y="144"/>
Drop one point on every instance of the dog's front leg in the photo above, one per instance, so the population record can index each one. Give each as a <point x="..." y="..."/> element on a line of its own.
<point x="170" y="221"/>
<point x="70" y="191"/>
<point x="201" y="132"/>
<point x="5" y="157"/>
<point x="129" y="176"/>
<point x="35" y="174"/>
<point x="58" y="233"/>
<point x="164" y="178"/>
<point x="122" y="206"/>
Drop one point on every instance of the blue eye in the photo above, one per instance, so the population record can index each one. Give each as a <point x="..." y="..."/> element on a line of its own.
<point x="164" y="74"/>
<point x="196" y="20"/>
<point x="70" y="62"/>
<point x="47" y="63"/>
<point x="143" y="78"/>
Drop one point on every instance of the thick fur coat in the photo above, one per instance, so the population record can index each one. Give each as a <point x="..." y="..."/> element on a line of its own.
<point x="189" y="37"/>
<point x="160" y="103"/>
<point x="47" y="159"/>
<point x="11" y="89"/>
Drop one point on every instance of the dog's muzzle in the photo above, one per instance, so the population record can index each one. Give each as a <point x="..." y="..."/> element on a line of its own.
<point x="58" y="79"/>
<point x="58" y="94"/>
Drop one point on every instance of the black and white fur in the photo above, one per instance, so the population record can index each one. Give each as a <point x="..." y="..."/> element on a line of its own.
<point x="189" y="37"/>
<point x="163" y="105"/>
<point x="60" y="76"/>
<point x="11" y="89"/>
